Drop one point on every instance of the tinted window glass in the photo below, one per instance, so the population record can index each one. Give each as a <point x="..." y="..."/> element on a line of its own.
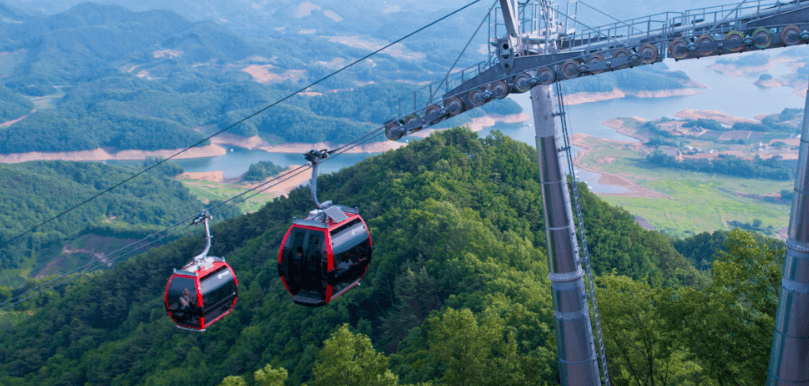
<point x="218" y="291"/>
<point x="352" y="254"/>
<point x="182" y="301"/>
<point x="293" y="256"/>
<point x="346" y="237"/>
<point x="306" y="270"/>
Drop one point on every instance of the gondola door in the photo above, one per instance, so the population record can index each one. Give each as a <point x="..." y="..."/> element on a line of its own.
<point x="304" y="263"/>
<point x="350" y="256"/>
<point x="218" y="292"/>
<point x="183" y="302"/>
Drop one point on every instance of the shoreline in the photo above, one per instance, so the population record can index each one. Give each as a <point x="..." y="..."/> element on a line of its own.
<point x="216" y="148"/>
<point x="102" y="154"/>
<point x="279" y="189"/>
<point x="737" y="71"/>
<point x="590" y="97"/>
<point x="605" y="178"/>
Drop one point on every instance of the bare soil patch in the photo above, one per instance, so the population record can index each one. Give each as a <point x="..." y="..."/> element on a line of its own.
<point x="372" y="44"/>
<point x="632" y="190"/>
<point x="238" y="140"/>
<point x="336" y="62"/>
<point x="167" y="53"/>
<point x="734" y="134"/>
<point x="109" y="154"/>
<point x="304" y="9"/>
<point x="13" y="121"/>
<point x="283" y="188"/>
<point x="711" y="114"/>
<point x="216" y="176"/>
<point x="606" y="160"/>
<point x="261" y="74"/>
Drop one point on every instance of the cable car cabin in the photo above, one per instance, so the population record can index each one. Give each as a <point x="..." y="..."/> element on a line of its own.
<point x="200" y="293"/>
<point x="204" y="291"/>
<point x="324" y="255"/>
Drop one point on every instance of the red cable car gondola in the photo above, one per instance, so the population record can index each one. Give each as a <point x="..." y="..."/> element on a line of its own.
<point x="326" y="254"/>
<point x="204" y="291"/>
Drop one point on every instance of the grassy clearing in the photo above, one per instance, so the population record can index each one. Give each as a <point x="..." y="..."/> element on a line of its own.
<point x="697" y="201"/>
<point x="211" y="190"/>
<point x="46" y="101"/>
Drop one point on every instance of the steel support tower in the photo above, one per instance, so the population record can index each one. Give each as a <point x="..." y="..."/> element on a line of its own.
<point x="533" y="45"/>
<point x="578" y="364"/>
<point x="789" y="356"/>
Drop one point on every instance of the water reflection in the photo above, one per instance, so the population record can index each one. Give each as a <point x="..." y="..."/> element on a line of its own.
<point x="238" y="160"/>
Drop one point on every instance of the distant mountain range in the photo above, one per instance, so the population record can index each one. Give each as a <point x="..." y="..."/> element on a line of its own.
<point x="104" y="76"/>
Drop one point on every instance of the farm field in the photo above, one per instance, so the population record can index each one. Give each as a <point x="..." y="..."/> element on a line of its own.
<point x="207" y="191"/>
<point x="682" y="203"/>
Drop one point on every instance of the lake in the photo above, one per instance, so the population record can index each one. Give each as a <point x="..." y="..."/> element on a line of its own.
<point x="736" y="96"/>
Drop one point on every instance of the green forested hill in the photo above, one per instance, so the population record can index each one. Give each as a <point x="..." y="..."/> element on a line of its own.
<point x="104" y="76"/>
<point x="456" y="224"/>
<point x="32" y="192"/>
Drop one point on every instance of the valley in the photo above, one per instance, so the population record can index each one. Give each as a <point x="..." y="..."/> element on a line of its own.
<point x="686" y="170"/>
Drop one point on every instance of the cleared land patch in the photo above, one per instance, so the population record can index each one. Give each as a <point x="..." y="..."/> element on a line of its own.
<point x="680" y="202"/>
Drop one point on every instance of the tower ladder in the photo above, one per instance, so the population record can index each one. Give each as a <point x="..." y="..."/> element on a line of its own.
<point x="585" y="253"/>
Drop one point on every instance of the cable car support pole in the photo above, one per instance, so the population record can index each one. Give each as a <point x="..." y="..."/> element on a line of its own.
<point x="789" y="356"/>
<point x="578" y="364"/>
<point x="203" y="218"/>
<point x="316" y="157"/>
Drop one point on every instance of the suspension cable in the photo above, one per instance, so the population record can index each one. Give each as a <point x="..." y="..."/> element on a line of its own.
<point x="283" y="174"/>
<point x="231" y="202"/>
<point x="97" y="265"/>
<point x="236" y="123"/>
<point x="438" y="87"/>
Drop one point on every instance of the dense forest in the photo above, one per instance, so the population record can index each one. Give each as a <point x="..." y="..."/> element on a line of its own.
<point x="104" y="76"/>
<point x="457" y="293"/>
<point x="731" y="165"/>
<point x="261" y="170"/>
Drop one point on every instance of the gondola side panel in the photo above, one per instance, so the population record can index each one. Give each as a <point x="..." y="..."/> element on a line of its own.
<point x="283" y="264"/>
<point x="174" y="291"/>
<point x="200" y="306"/>
<point x="329" y="266"/>
<point x="217" y="286"/>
